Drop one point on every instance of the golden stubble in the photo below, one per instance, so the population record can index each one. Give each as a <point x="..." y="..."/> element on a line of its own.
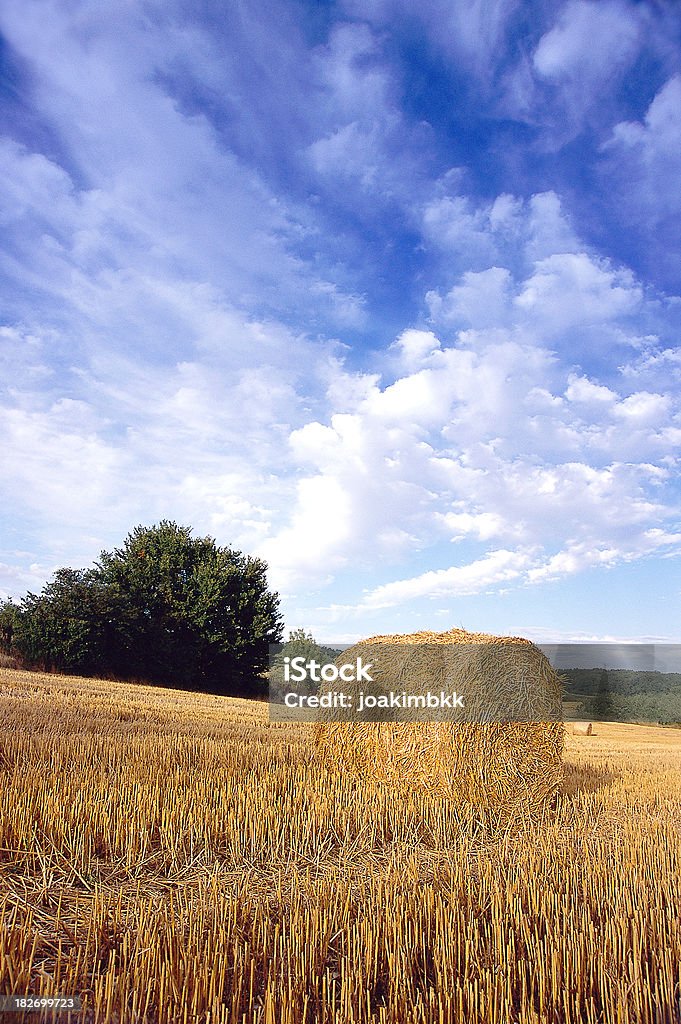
<point x="178" y="857"/>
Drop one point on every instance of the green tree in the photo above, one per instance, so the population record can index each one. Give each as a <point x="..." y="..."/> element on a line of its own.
<point x="190" y="613"/>
<point x="10" y="615"/>
<point x="164" y="607"/>
<point x="68" y="626"/>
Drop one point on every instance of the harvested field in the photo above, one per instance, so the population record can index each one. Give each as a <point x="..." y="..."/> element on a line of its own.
<point x="176" y="857"/>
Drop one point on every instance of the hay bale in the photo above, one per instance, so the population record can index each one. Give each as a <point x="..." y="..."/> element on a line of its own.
<point x="582" y="728"/>
<point x="483" y="761"/>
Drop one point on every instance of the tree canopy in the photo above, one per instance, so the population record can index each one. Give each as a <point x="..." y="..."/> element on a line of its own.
<point x="165" y="607"/>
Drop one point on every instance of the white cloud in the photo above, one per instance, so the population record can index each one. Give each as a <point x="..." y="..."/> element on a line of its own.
<point x="469" y="33"/>
<point x="588" y="41"/>
<point x="644" y="163"/>
<point x="56" y="454"/>
<point x="497" y="567"/>
<point x="541" y="286"/>
<point x="415" y="347"/>
<point x="572" y="289"/>
<point x="203" y="441"/>
<point x="587" y="51"/>
<point x="580" y="555"/>
<point x="574" y="559"/>
<point x="480" y="525"/>
<point x="314" y="545"/>
<point x="549" y="230"/>
<point x="363" y="151"/>
<point x="571" y="79"/>
<point x="417" y="400"/>
<point x="645" y="409"/>
<point x="352" y="151"/>
<point x="470" y="445"/>
<point x="18" y="579"/>
<point x="505" y="235"/>
<point x="581" y="389"/>
<point x="357" y="83"/>
<point x="658" y="136"/>
<point x="32" y="182"/>
<point x="453" y="224"/>
<point x="476" y="29"/>
<point x="146" y="206"/>
<point x="481" y="299"/>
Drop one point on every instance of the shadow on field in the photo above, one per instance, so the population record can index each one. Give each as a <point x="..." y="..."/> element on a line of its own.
<point x="585" y="778"/>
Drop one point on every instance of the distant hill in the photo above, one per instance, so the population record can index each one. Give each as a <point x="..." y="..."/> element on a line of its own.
<point x="623" y="695"/>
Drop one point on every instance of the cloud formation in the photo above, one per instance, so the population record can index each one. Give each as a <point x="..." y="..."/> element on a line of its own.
<point x="387" y="296"/>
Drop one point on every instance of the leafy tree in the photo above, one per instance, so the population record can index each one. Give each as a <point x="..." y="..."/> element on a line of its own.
<point x="9" y="623"/>
<point x="166" y="607"/>
<point x="68" y="626"/>
<point x="190" y="612"/>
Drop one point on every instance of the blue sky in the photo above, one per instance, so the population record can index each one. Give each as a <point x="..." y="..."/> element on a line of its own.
<point x="388" y="294"/>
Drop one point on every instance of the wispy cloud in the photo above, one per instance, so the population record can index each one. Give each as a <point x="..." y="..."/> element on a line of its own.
<point x="642" y="165"/>
<point x="350" y="287"/>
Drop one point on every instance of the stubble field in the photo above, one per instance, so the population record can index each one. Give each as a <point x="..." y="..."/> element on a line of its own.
<point x="173" y="857"/>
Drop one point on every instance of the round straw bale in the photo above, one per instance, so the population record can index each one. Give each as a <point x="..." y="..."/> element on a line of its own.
<point x="490" y="759"/>
<point x="582" y="728"/>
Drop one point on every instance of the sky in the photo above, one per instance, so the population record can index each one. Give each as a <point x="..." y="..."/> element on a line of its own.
<point x="387" y="294"/>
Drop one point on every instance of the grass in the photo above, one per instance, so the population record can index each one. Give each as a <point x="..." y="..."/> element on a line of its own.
<point x="178" y="858"/>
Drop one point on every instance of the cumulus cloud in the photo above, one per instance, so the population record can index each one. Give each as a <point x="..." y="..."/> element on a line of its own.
<point x="472" y="447"/>
<point x="480" y="300"/>
<point x="549" y="231"/>
<point x="653" y="146"/>
<point x="415" y="346"/>
<point x="480" y="525"/>
<point x="572" y="289"/>
<point x="496" y="437"/>
<point x="455" y="225"/>
<point x="581" y="389"/>
<point x="492" y="238"/>
<point x="550" y="289"/>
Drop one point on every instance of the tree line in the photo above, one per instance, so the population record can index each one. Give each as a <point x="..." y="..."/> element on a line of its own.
<point x="166" y="607"/>
<point x="624" y="681"/>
